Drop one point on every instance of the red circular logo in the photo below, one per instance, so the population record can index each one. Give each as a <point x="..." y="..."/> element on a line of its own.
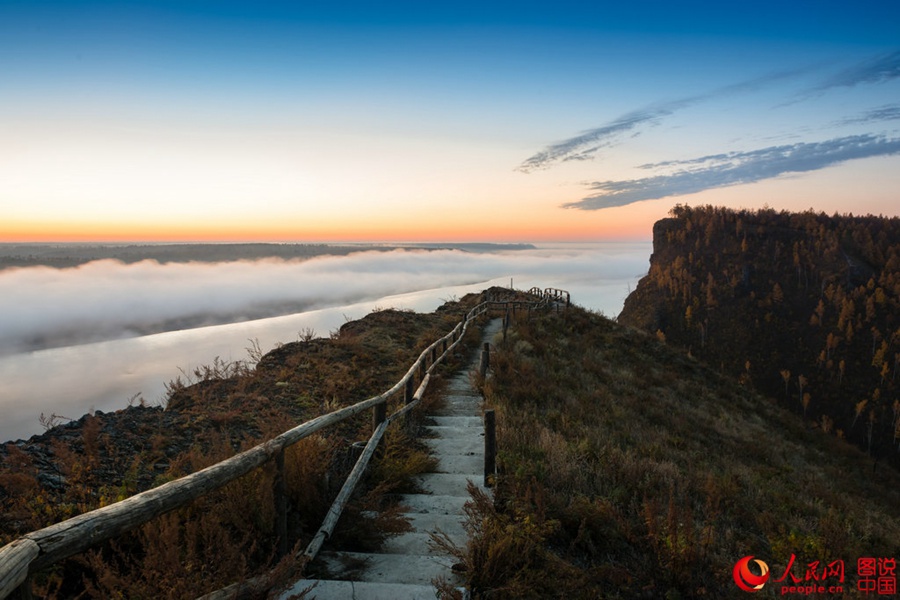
<point x="746" y="580"/>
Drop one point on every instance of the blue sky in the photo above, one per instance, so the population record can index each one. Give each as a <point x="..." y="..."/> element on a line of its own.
<point x="239" y="120"/>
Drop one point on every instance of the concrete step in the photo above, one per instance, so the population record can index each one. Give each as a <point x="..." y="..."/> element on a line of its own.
<point x="418" y="543"/>
<point x="471" y="445"/>
<point x="446" y="431"/>
<point x="459" y="409"/>
<point x="456" y="410"/>
<point x="457" y="420"/>
<point x="472" y="397"/>
<point x="461" y="386"/>
<point x="389" y="568"/>
<point x="453" y="484"/>
<point x="436" y="523"/>
<point x="462" y="464"/>
<point x="462" y="382"/>
<point x="409" y="563"/>
<point x="360" y="590"/>
<point x="434" y="503"/>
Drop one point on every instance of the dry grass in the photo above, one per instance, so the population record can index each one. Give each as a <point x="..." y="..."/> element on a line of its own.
<point x="629" y="470"/>
<point x="229" y="535"/>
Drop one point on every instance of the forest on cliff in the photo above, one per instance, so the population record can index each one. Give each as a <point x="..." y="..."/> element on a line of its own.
<point x="801" y="306"/>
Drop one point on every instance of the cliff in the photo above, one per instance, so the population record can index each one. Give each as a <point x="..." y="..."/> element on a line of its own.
<point x="804" y="307"/>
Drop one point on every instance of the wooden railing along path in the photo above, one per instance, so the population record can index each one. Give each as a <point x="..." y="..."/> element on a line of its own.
<point x="44" y="547"/>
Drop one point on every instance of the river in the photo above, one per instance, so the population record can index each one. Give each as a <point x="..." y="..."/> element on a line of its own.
<point x="72" y="380"/>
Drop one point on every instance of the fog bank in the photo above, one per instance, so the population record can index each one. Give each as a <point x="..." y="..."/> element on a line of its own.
<point x="73" y="380"/>
<point x="44" y="307"/>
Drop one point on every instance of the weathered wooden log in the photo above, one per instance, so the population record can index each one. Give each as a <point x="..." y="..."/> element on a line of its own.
<point x="356" y="474"/>
<point x="79" y="533"/>
<point x="14" y="561"/>
<point x="334" y="513"/>
<point x="44" y="547"/>
<point x="331" y="521"/>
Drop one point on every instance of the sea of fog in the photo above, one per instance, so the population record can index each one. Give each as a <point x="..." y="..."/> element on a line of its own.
<point x="115" y="302"/>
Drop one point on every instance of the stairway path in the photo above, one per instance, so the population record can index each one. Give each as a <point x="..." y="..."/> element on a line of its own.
<point x="407" y="564"/>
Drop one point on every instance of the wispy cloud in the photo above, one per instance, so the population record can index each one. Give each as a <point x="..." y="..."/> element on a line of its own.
<point x="877" y="69"/>
<point x="586" y="144"/>
<point x="890" y="112"/>
<point x="735" y="168"/>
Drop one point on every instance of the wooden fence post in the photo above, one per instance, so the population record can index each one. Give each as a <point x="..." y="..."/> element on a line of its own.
<point x="408" y="396"/>
<point x="379" y="414"/>
<point x="505" y="323"/>
<point x="356" y="449"/>
<point x="25" y="591"/>
<point x="280" y="506"/>
<point x="490" y="447"/>
<point x="410" y="391"/>
<point x="47" y="546"/>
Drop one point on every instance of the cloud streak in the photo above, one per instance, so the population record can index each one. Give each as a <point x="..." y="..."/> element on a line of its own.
<point x="734" y="168"/>
<point x="890" y="112"/>
<point x="586" y="144"/>
<point x="878" y="69"/>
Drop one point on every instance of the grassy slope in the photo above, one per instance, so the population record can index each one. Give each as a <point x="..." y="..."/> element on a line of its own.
<point x="630" y="470"/>
<point x="228" y="534"/>
<point x="804" y="305"/>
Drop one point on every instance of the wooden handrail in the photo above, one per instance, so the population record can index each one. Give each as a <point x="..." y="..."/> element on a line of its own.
<point x="44" y="547"/>
<point x="557" y="294"/>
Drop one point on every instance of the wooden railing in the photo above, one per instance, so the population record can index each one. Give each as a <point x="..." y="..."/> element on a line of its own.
<point x="556" y="295"/>
<point x="44" y="547"/>
<point x="551" y="294"/>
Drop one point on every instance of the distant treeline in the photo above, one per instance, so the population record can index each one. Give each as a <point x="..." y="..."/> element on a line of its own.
<point x="71" y="255"/>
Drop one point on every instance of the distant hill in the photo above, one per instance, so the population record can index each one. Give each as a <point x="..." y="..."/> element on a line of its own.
<point x="804" y="307"/>
<point x="71" y="255"/>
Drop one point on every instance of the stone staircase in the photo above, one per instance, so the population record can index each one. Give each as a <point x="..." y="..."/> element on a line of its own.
<point x="407" y="564"/>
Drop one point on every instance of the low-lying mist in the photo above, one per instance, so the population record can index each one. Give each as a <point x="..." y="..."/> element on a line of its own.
<point x="44" y="307"/>
<point x="118" y="300"/>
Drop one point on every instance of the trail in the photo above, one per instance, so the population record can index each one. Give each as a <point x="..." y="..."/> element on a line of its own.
<point x="407" y="564"/>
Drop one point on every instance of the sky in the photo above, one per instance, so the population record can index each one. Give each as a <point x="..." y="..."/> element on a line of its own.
<point x="437" y="121"/>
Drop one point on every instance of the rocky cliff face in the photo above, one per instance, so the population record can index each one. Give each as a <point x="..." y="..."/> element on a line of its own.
<point x="804" y="307"/>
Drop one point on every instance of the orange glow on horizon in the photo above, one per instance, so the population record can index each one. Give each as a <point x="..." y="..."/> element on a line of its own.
<point x="460" y="229"/>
